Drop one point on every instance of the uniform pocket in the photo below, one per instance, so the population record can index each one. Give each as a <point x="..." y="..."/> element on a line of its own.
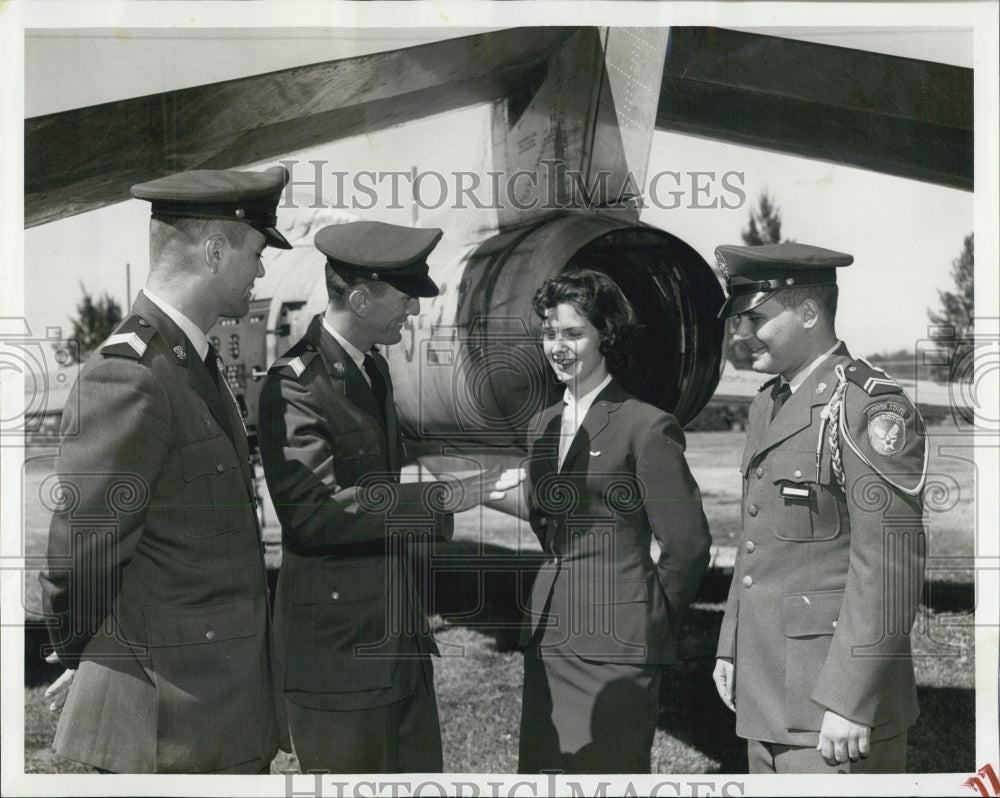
<point x="215" y="496"/>
<point x="810" y="508"/>
<point x="809" y="621"/>
<point x="339" y="629"/>
<point x="358" y="453"/>
<point x="213" y="689"/>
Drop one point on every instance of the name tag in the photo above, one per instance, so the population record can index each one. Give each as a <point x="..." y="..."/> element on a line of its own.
<point x="793" y="492"/>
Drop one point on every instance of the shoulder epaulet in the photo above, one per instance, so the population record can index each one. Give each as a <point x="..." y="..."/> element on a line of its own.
<point x="872" y="380"/>
<point x="130" y="339"/>
<point x="293" y="364"/>
<point x="769" y="383"/>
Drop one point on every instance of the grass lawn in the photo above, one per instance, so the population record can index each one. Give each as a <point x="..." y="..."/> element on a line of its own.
<point x="479" y="679"/>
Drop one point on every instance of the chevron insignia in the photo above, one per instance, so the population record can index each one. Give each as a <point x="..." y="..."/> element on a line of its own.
<point x="126" y="344"/>
<point x="873" y="380"/>
<point x="292" y="364"/>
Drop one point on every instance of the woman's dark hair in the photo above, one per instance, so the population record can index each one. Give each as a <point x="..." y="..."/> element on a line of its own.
<point x="597" y="297"/>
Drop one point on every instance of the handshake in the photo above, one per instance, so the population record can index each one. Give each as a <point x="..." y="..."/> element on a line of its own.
<point x="455" y="492"/>
<point x="466" y="492"/>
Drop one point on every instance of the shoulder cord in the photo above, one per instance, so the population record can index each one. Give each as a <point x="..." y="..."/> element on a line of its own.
<point x="834" y="412"/>
<point x="842" y="427"/>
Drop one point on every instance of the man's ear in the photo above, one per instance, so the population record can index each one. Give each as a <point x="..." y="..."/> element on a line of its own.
<point x="215" y="250"/>
<point x="358" y="300"/>
<point x="809" y="313"/>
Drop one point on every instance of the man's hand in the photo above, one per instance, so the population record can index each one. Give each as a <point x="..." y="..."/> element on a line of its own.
<point x="724" y="678"/>
<point x="59" y="689"/>
<point x="486" y="486"/>
<point x="841" y="739"/>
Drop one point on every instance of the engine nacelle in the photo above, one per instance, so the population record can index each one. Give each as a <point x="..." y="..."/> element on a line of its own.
<point x="475" y="375"/>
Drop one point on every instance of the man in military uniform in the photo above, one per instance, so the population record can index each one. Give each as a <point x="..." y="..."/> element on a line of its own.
<point x="353" y="638"/>
<point x="154" y="586"/>
<point x="814" y="651"/>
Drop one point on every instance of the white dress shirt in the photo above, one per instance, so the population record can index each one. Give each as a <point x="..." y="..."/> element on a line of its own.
<point x="353" y="352"/>
<point x="193" y="332"/>
<point x="803" y="375"/>
<point x="574" y="412"/>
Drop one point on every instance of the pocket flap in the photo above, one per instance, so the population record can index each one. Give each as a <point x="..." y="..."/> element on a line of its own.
<point x="342" y="584"/>
<point x="201" y="458"/>
<point x="213" y="623"/>
<point x="815" y="613"/>
<point x="796" y="467"/>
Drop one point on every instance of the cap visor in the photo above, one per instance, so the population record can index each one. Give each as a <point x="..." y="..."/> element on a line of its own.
<point x="741" y="303"/>
<point x="413" y="286"/>
<point x="274" y="238"/>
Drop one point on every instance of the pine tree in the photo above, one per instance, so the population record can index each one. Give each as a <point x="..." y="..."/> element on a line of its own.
<point x="763" y="227"/>
<point x="95" y="321"/>
<point x="956" y="318"/>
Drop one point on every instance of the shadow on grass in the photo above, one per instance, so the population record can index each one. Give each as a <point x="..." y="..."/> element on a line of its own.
<point x="483" y="587"/>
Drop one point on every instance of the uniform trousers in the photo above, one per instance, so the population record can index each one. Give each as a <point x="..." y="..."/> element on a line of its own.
<point x="402" y="737"/>
<point x="886" y="756"/>
<point x="583" y="716"/>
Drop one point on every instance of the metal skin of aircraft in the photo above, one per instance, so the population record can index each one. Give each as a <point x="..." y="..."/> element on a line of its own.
<point x="573" y="111"/>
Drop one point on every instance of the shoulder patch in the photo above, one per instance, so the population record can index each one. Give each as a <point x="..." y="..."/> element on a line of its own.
<point x="130" y="339"/>
<point x="293" y="366"/>
<point x="870" y="378"/>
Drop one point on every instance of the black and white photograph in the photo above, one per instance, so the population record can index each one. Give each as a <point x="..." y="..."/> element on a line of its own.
<point x="500" y="398"/>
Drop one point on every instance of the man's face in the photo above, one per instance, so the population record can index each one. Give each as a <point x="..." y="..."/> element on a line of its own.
<point x="572" y="345"/>
<point x="388" y="309"/>
<point x="776" y="338"/>
<point x="240" y="266"/>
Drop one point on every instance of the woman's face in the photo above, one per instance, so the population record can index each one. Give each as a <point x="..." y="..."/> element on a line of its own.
<point x="572" y="346"/>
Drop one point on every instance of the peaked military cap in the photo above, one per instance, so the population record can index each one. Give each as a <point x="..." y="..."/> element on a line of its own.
<point x="378" y="251"/>
<point x="754" y="274"/>
<point x="250" y="197"/>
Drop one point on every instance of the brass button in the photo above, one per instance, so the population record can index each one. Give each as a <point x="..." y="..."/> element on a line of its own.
<point x="210" y="635"/>
<point x="752" y="510"/>
<point x="834" y="624"/>
<point x="335" y="595"/>
<point x="143" y="323"/>
<point x="797" y="474"/>
<point x="749" y="546"/>
<point x="747" y="581"/>
<point x="220" y="468"/>
<point x="361" y="451"/>
<point x="759" y="472"/>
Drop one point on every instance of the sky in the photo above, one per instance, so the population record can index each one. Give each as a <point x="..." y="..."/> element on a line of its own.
<point x="903" y="234"/>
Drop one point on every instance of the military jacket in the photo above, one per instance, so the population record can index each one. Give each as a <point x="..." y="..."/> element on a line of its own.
<point x="829" y="569"/>
<point x="155" y="585"/>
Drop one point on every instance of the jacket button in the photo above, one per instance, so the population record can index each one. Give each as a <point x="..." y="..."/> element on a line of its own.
<point x="210" y="635"/>
<point x="747" y="581"/>
<point x="220" y="468"/>
<point x="752" y="510"/>
<point x="335" y="595"/>
<point x="749" y="546"/>
<point x="143" y="323"/>
<point x="834" y="624"/>
<point x="797" y="474"/>
<point x="556" y="561"/>
<point x="361" y="451"/>
<point x="759" y="472"/>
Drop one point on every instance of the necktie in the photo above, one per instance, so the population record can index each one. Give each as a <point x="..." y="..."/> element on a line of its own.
<point x="212" y="364"/>
<point x="780" y="396"/>
<point x="379" y="387"/>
